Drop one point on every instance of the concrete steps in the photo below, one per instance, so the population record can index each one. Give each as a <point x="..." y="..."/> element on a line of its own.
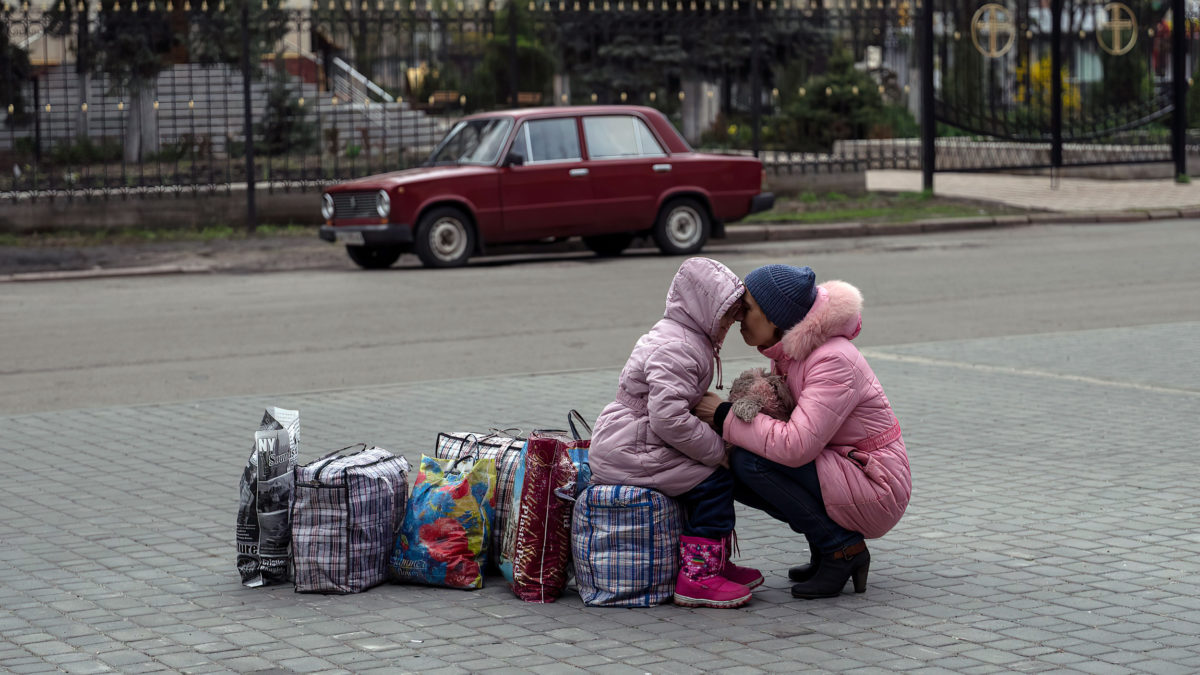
<point x="202" y="105"/>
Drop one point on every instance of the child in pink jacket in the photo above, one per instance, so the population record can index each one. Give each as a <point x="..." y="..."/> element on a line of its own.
<point x="649" y="437"/>
<point x="836" y="471"/>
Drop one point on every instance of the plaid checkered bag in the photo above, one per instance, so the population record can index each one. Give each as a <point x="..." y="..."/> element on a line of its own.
<point x="347" y="510"/>
<point x="625" y="543"/>
<point x="507" y="453"/>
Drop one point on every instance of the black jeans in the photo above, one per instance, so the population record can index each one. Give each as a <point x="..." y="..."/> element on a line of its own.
<point x="792" y="495"/>
<point x="708" y="507"/>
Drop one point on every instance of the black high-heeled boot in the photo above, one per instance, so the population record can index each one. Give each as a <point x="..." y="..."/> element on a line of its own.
<point x="834" y="570"/>
<point x="805" y="572"/>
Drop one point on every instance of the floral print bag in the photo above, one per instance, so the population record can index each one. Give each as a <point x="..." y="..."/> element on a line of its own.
<point x="444" y="538"/>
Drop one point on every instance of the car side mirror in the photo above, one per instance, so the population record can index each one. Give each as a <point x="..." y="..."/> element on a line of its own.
<point x="514" y="159"/>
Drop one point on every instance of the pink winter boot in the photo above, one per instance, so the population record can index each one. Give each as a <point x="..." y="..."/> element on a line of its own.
<point x="700" y="583"/>
<point x="746" y="576"/>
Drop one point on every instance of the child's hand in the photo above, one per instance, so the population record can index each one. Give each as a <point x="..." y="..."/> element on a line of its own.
<point x="707" y="407"/>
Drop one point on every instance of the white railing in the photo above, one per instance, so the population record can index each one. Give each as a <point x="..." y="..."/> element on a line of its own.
<point x="355" y="85"/>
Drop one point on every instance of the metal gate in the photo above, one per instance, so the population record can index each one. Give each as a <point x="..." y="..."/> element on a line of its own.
<point x="988" y="78"/>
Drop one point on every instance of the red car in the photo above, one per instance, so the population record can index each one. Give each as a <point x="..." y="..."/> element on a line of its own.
<point x="606" y="173"/>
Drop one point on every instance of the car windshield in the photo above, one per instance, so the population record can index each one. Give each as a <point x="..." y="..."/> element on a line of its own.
<point x="476" y="141"/>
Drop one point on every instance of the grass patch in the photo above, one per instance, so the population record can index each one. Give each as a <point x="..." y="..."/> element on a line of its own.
<point x="874" y="207"/>
<point x="144" y="235"/>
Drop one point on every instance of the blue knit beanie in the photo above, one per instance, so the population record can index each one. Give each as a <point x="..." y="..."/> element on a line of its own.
<point x="785" y="293"/>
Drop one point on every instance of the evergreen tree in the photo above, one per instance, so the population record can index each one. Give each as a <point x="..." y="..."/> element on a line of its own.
<point x="215" y="36"/>
<point x="283" y="127"/>
<point x="14" y="72"/>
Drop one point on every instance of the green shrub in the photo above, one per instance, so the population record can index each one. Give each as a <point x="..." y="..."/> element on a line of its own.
<point x="841" y="103"/>
<point x="170" y="152"/>
<point x="895" y="121"/>
<point x="86" y="151"/>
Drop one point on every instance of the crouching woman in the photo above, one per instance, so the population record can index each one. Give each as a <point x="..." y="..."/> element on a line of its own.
<point x="836" y="471"/>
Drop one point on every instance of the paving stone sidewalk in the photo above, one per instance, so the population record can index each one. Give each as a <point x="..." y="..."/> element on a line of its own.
<point x="1038" y="192"/>
<point x="1053" y="528"/>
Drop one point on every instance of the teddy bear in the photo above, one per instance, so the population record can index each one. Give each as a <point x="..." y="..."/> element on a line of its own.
<point x="755" y="391"/>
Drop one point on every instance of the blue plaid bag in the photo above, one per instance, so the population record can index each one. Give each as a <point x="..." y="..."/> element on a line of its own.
<point x="625" y="543"/>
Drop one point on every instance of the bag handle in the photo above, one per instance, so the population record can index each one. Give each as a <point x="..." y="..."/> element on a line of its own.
<point x="454" y="465"/>
<point x="361" y="447"/>
<point x="510" y="432"/>
<point x="473" y="442"/>
<point x="572" y="417"/>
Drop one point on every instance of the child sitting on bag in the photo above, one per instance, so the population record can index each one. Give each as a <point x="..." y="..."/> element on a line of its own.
<point x="649" y="437"/>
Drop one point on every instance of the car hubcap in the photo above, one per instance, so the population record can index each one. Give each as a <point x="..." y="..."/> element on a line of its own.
<point x="448" y="239"/>
<point x="683" y="226"/>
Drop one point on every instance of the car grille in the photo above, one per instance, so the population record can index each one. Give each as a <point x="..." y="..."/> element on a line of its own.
<point x="354" y="205"/>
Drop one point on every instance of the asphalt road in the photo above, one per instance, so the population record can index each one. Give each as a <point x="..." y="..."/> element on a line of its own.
<point x="123" y="341"/>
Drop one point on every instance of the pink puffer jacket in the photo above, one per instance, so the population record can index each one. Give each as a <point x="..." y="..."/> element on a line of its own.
<point x="840" y="407"/>
<point x="648" y="436"/>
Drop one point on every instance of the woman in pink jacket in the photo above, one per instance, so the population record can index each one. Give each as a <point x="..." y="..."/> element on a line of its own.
<point x="836" y="471"/>
<point x="649" y="437"/>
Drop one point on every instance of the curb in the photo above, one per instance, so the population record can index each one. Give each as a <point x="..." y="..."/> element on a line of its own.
<point x="100" y="273"/>
<point x="792" y="231"/>
<point x="734" y="234"/>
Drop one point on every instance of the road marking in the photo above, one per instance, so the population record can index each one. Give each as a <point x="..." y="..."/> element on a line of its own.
<point x="1032" y="372"/>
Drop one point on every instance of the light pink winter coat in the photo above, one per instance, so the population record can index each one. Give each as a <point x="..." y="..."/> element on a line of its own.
<point x="648" y="436"/>
<point x="840" y="407"/>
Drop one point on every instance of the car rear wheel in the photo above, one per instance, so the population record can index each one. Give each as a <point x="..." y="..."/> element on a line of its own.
<point x="682" y="228"/>
<point x="444" y="238"/>
<point x="374" y="257"/>
<point x="608" y="245"/>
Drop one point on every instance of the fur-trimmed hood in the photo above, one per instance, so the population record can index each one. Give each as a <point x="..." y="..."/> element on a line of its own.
<point x="837" y="312"/>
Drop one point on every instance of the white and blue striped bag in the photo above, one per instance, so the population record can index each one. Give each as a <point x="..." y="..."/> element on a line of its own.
<point x="625" y="543"/>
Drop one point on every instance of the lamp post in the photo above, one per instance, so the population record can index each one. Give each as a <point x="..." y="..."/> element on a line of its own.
<point x="248" y="120"/>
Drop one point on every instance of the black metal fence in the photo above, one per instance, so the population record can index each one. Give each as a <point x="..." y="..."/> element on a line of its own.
<point x="142" y="97"/>
<point x="1113" y="102"/>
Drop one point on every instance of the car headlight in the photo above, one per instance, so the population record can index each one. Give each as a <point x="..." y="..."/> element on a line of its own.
<point x="327" y="206"/>
<point x="383" y="204"/>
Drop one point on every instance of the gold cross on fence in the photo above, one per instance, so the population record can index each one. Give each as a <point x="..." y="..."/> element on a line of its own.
<point x="998" y="23"/>
<point x="1116" y="23"/>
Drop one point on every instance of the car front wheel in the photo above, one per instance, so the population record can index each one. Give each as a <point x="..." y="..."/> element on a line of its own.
<point x="374" y="257"/>
<point x="444" y="238"/>
<point x="682" y="228"/>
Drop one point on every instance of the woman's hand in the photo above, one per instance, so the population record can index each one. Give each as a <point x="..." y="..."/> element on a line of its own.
<point x="707" y="407"/>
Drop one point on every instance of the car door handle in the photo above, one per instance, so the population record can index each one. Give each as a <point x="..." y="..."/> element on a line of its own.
<point x="662" y="168"/>
<point x="576" y="173"/>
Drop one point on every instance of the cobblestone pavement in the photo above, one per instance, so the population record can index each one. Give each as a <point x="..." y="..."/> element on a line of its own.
<point x="1053" y="527"/>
